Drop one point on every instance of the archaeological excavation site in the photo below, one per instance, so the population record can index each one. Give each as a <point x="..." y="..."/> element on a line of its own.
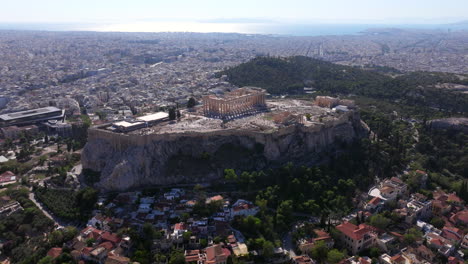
<point x="241" y="129"/>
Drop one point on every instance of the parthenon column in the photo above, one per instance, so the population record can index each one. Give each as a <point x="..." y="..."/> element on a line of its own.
<point x="216" y="107"/>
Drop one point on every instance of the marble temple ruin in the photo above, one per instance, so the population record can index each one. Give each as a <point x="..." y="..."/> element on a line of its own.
<point x="246" y="100"/>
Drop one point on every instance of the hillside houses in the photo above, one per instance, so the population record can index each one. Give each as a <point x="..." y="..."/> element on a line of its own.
<point x="96" y="245"/>
<point x="243" y="208"/>
<point x="389" y="189"/>
<point x="357" y="238"/>
<point x="305" y="245"/>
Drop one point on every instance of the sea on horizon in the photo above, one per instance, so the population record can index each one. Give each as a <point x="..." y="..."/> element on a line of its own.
<point x="246" y="28"/>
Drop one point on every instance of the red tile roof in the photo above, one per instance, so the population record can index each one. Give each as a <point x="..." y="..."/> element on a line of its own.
<point x="302" y="260"/>
<point x="114" y="238"/>
<point x="375" y="201"/>
<point x="397" y="180"/>
<point x="215" y="198"/>
<point x="454" y="260"/>
<point x="436" y="241"/>
<point x="321" y="235"/>
<point x="215" y="254"/>
<point x="364" y="261"/>
<point x="454" y="198"/>
<point x="180" y="226"/>
<point x="7" y="176"/>
<point x="397" y="258"/>
<point x="87" y="251"/>
<point x="107" y="245"/>
<point x="353" y="231"/>
<point x="226" y="252"/>
<point x="117" y="260"/>
<point x="91" y="232"/>
<point x="54" y="252"/>
<point x="460" y="217"/>
<point x="452" y="233"/>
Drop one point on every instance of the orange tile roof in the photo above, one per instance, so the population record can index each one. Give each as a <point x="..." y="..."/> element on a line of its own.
<point x="375" y="201"/>
<point x="454" y="198"/>
<point x="215" y="198"/>
<point x="397" y="258"/>
<point x="395" y="179"/>
<point x="180" y="226"/>
<point x="353" y="231"/>
<point x="106" y="236"/>
<point x="460" y="216"/>
<point x="215" y="254"/>
<point x="54" y="252"/>
<point x="107" y="245"/>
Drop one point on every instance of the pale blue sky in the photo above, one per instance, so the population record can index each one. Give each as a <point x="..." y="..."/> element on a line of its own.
<point x="360" y="11"/>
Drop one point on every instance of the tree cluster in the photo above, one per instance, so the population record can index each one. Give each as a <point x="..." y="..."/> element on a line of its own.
<point x="68" y="204"/>
<point x="291" y="75"/>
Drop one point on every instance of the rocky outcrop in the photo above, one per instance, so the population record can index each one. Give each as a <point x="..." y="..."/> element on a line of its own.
<point x="460" y="124"/>
<point x="132" y="161"/>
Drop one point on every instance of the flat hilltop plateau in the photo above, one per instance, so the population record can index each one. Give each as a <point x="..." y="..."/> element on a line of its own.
<point x="198" y="148"/>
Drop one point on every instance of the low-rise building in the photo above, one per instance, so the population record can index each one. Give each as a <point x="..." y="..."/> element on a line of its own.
<point x="392" y="188"/>
<point x="54" y="252"/>
<point x="7" y="177"/>
<point x="10" y="208"/>
<point x="416" y="208"/>
<point x="439" y="243"/>
<point x="243" y="208"/>
<point x="304" y="259"/>
<point x="305" y="245"/>
<point x="375" y="204"/>
<point x="215" y="254"/>
<point x="452" y="233"/>
<point x="357" y="238"/>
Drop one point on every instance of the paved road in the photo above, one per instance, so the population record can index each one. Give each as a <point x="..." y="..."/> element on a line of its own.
<point x="288" y="245"/>
<point x="57" y="221"/>
<point x="239" y="236"/>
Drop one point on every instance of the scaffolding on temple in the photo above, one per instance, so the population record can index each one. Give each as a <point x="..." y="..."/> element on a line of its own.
<point x="238" y="103"/>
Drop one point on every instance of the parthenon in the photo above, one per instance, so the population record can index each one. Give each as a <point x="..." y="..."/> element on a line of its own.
<point x="246" y="100"/>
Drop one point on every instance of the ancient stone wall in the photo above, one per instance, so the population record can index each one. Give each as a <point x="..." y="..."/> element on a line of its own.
<point x="129" y="161"/>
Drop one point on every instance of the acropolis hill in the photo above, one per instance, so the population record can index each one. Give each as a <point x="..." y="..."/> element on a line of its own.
<point x="220" y="134"/>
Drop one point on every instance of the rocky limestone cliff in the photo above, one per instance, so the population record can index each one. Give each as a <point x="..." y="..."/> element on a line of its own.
<point x="460" y="124"/>
<point x="132" y="161"/>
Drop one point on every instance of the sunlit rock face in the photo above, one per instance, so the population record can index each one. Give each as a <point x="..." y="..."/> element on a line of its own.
<point x="129" y="161"/>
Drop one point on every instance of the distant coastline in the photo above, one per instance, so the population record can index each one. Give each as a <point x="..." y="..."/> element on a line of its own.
<point x="271" y="28"/>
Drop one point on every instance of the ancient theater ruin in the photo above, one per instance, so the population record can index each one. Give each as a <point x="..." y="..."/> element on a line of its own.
<point x="241" y="102"/>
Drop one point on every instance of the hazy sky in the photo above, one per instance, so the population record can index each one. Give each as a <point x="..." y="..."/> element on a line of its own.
<point x="126" y="11"/>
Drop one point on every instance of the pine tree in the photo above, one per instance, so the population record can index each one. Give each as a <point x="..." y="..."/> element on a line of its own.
<point x="191" y="102"/>
<point x="172" y="114"/>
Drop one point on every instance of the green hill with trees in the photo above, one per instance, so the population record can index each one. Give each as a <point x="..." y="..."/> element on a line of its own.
<point x="291" y="75"/>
